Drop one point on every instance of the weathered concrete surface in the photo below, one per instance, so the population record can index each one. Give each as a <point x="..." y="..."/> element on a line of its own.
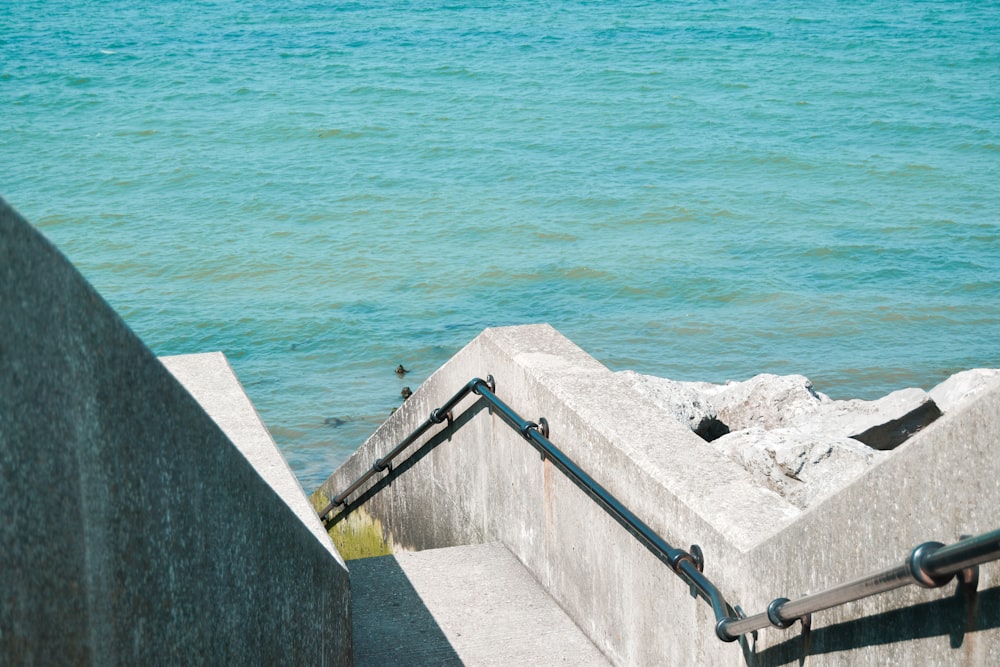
<point x="134" y="532"/>
<point x="942" y="483"/>
<point x="483" y="483"/>
<point x="469" y="605"/>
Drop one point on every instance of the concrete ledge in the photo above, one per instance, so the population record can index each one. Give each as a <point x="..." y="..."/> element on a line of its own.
<point x="483" y="483"/>
<point x="210" y="379"/>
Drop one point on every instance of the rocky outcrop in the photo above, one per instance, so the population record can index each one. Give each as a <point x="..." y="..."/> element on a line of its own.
<point x="800" y="466"/>
<point x="764" y="401"/>
<point x="796" y="440"/>
<point x="683" y="401"/>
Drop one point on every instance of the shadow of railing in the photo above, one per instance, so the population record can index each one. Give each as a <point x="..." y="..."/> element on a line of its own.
<point x="956" y="616"/>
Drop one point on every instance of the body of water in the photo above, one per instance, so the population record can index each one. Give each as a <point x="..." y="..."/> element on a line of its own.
<point x="696" y="190"/>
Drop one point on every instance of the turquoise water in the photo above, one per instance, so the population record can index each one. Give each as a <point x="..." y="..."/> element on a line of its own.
<point x="695" y="190"/>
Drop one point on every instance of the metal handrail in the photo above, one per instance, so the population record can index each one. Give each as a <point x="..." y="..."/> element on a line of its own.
<point x="437" y="416"/>
<point x="930" y="565"/>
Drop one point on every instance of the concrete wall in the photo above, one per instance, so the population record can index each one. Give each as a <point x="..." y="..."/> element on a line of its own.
<point x="483" y="482"/>
<point x="134" y="532"/>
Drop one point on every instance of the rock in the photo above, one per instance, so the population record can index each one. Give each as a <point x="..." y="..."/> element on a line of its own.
<point x="765" y="401"/>
<point x="881" y="424"/>
<point x="796" y="441"/>
<point x="789" y="401"/>
<point x="799" y="442"/>
<point x="895" y="432"/>
<point x="680" y="400"/>
<point x="962" y="387"/>
<point x="802" y="467"/>
<point x="769" y="401"/>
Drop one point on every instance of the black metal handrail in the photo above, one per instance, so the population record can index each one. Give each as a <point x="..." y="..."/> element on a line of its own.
<point x="438" y="416"/>
<point x="930" y="565"/>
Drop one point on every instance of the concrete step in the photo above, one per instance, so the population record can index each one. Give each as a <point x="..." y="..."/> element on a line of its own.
<point x="468" y="605"/>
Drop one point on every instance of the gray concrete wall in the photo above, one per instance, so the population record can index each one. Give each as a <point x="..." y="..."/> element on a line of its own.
<point x="483" y="482"/>
<point x="134" y="532"/>
<point x="210" y="379"/>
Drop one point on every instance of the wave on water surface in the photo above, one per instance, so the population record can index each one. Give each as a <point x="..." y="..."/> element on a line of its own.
<point x="695" y="191"/>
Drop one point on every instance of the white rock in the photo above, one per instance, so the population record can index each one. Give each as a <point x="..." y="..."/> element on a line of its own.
<point x="680" y="400"/>
<point x="765" y="401"/>
<point x="797" y="441"/>
<point x="883" y="424"/>
<point x="962" y="387"/>
<point x="802" y="467"/>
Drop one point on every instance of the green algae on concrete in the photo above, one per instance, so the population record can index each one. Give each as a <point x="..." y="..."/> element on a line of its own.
<point x="358" y="535"/>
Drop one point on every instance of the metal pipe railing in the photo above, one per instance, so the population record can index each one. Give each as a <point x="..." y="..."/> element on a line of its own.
<point x="685" y="565"/>
<point x="437" y="416"/>
<point x="930" y="565"/>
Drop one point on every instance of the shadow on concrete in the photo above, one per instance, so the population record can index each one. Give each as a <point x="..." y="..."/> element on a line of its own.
<point x="954" y="616"/>
<point x="442" y="436"/>
<point x="391" y="624"/>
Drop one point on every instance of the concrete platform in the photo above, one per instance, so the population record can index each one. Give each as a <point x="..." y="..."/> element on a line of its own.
<point x="468" y="605"/>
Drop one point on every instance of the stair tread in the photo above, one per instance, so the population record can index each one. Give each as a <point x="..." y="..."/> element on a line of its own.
<point x="471" y="605"/>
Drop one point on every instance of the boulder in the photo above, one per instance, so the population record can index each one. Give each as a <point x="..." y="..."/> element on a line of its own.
<point x="764" y="401"/>
<point x="769" y="401"/>
<point x="962" y="388"/>
<point x="801" y="467"/>
<point x="793" y="439"/>
<point x="882" y="424"/>
<point x="797" y="441"/>
<point x="681" y="401"/>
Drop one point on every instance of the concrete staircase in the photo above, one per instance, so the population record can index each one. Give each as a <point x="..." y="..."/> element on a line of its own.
<point x="471" y="605"/>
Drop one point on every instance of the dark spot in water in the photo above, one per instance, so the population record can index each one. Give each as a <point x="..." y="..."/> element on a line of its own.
<point x="406" y="393"/>
<point x="400" y="371"/>
<point x="334" y="421"/>
<point x="295" y="346"/>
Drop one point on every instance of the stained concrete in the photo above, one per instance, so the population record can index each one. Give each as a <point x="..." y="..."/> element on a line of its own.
<point x="469" y="605"/>
<point x="482" y="483"/>
<point x="134" y="532"/>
